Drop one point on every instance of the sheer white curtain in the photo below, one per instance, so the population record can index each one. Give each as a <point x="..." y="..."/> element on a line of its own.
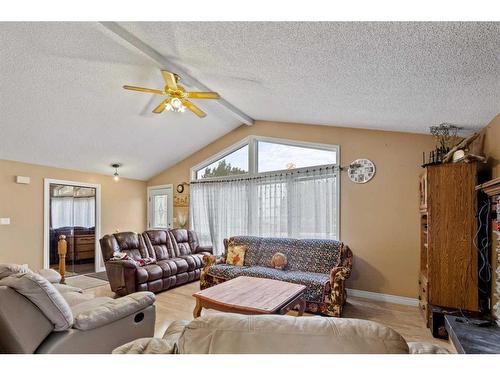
<point x="70" y="211"/>
<point x="300" y="204"/>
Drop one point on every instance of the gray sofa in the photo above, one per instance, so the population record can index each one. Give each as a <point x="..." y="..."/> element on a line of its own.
<point x="42" y="316"/>
<point x="224" y="333"/>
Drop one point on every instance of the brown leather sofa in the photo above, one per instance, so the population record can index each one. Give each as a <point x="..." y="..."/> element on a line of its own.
<point x="175" y="255"/>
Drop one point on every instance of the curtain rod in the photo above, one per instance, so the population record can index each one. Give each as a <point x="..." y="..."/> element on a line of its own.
<point x="244" y="178"/>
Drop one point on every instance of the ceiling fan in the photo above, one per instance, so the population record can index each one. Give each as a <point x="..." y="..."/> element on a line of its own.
<point x="177" y="96"/>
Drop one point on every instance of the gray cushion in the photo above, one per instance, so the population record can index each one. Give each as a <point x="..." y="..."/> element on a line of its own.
<point x="7" y="269"/>
<point x="103" y="311"/>
<point x="146" y="345"/>
<point x="52" y="275"/>
<point x="426" y="348"/>
<point x="44" y="295"/>
<point x="63" y="288"/>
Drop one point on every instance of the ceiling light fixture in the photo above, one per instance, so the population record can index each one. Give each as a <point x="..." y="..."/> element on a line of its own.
<point x="175" y="105"/>
<point x="116" y="176"/>
<point x="177" y="98"/>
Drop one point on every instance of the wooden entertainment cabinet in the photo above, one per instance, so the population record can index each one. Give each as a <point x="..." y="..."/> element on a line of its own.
<point x="448" y="257"/>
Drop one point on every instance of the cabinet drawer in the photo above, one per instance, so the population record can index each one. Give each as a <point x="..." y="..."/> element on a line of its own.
<point x="84" y="240"/>
<point x="85" y="247"/>
<point x="85" y="255"/>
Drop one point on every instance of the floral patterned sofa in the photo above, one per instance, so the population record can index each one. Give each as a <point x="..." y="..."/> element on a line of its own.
<point x="321" y="265"/>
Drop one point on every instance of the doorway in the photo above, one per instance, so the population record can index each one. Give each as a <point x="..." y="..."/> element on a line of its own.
<point x="72" y="213"/>
<point x="160" y="207"/>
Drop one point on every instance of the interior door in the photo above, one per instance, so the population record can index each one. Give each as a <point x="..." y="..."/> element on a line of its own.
<point x="160" y="207"/>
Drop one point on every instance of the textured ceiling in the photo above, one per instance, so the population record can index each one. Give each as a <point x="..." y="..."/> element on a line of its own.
<point x="62" y="104"/>
<point x="61" y="101"/>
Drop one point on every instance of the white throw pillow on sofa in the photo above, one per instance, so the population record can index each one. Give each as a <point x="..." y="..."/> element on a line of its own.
<point x="44" y="295"/>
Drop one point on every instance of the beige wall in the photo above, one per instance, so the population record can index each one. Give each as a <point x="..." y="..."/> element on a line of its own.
<point x="379" y="220"/>
<point x="492" y="145"/>
<point x="123" y="206"/>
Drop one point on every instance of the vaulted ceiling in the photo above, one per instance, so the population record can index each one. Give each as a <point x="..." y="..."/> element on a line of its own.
<point x="62" y="102"/>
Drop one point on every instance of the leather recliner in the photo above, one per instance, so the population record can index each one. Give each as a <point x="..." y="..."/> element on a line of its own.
<point x="174" y="258"/>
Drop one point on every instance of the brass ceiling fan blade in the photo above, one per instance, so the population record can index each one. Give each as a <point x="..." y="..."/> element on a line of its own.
<point x="161" y="107"/>
<point x="169" y="79"/>
<point x="193" y="108"/>
<point x="144" y="89"/>
<point x="203" y="95"/>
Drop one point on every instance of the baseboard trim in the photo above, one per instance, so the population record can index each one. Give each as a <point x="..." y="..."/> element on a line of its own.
<point x="382" y="297"/>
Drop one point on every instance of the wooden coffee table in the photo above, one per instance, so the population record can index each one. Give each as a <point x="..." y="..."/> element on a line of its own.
<point x="251" y="295"/>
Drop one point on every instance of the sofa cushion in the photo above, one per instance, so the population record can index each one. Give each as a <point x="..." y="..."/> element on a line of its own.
<point x="168" y="266"/>
<point x="182" y="265"/>
<point x="154" y="271"/>
<point x="75" y="298"/>
<point x="88" y="304"/>
<point x="64" y="288"/>
<point x="225" y="333"/>
<point x="160" y="243"/>
<point x="132" y="244"/>
<point x="225" y="271"/>
<point x="309" y="255"/>
<point x="99" y="314"/>
<point x="315" y="255"/>
<point x="194" y="261"/>
<point x="7" y="269"/>
<point x="53" y="276"/>
<point x="146" y="345"/>
<point x="235" y="254"/>
<point x="180" y="241"/>
<point x="317" y="283"/>
<point x="252" y="243"/>
<point x="270" y="246"/>
<point x="44" y="295"/>
<point x="426" y="348"/>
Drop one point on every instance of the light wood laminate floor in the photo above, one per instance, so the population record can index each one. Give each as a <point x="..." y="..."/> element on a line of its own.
<point x="178" y="304"/>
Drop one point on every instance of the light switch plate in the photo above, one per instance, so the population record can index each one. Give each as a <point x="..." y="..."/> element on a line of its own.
<point x="4" y="220"/>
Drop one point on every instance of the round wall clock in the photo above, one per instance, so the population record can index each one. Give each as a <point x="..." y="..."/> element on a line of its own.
<point x="361" y="171"/>
<point x="180" y="188"/>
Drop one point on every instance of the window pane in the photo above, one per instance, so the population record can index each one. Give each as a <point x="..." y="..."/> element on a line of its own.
<point x="276" y="156"/>
<point x="160" y="204"/>
<point x="235" y="163"/>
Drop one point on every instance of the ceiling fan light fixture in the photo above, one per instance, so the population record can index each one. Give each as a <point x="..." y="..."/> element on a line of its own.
<point x="175" y="105"/>
<point x="116" y="176"/>
<point x="177" y="98"/>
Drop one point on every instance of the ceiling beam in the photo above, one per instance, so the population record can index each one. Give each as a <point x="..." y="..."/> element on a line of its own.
<point x="164" y="63"/>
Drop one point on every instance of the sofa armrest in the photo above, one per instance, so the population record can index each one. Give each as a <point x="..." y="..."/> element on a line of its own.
<point x="343" y="271"/>
<point x="338" y="275"/>
<point x="121" y="276"/>
<point x="210" y="260"/>
<point x="165" y="345"/>
<point x="128" y="263"/>
<point x="204" y="249"/>
<point x="113" y="310"/>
